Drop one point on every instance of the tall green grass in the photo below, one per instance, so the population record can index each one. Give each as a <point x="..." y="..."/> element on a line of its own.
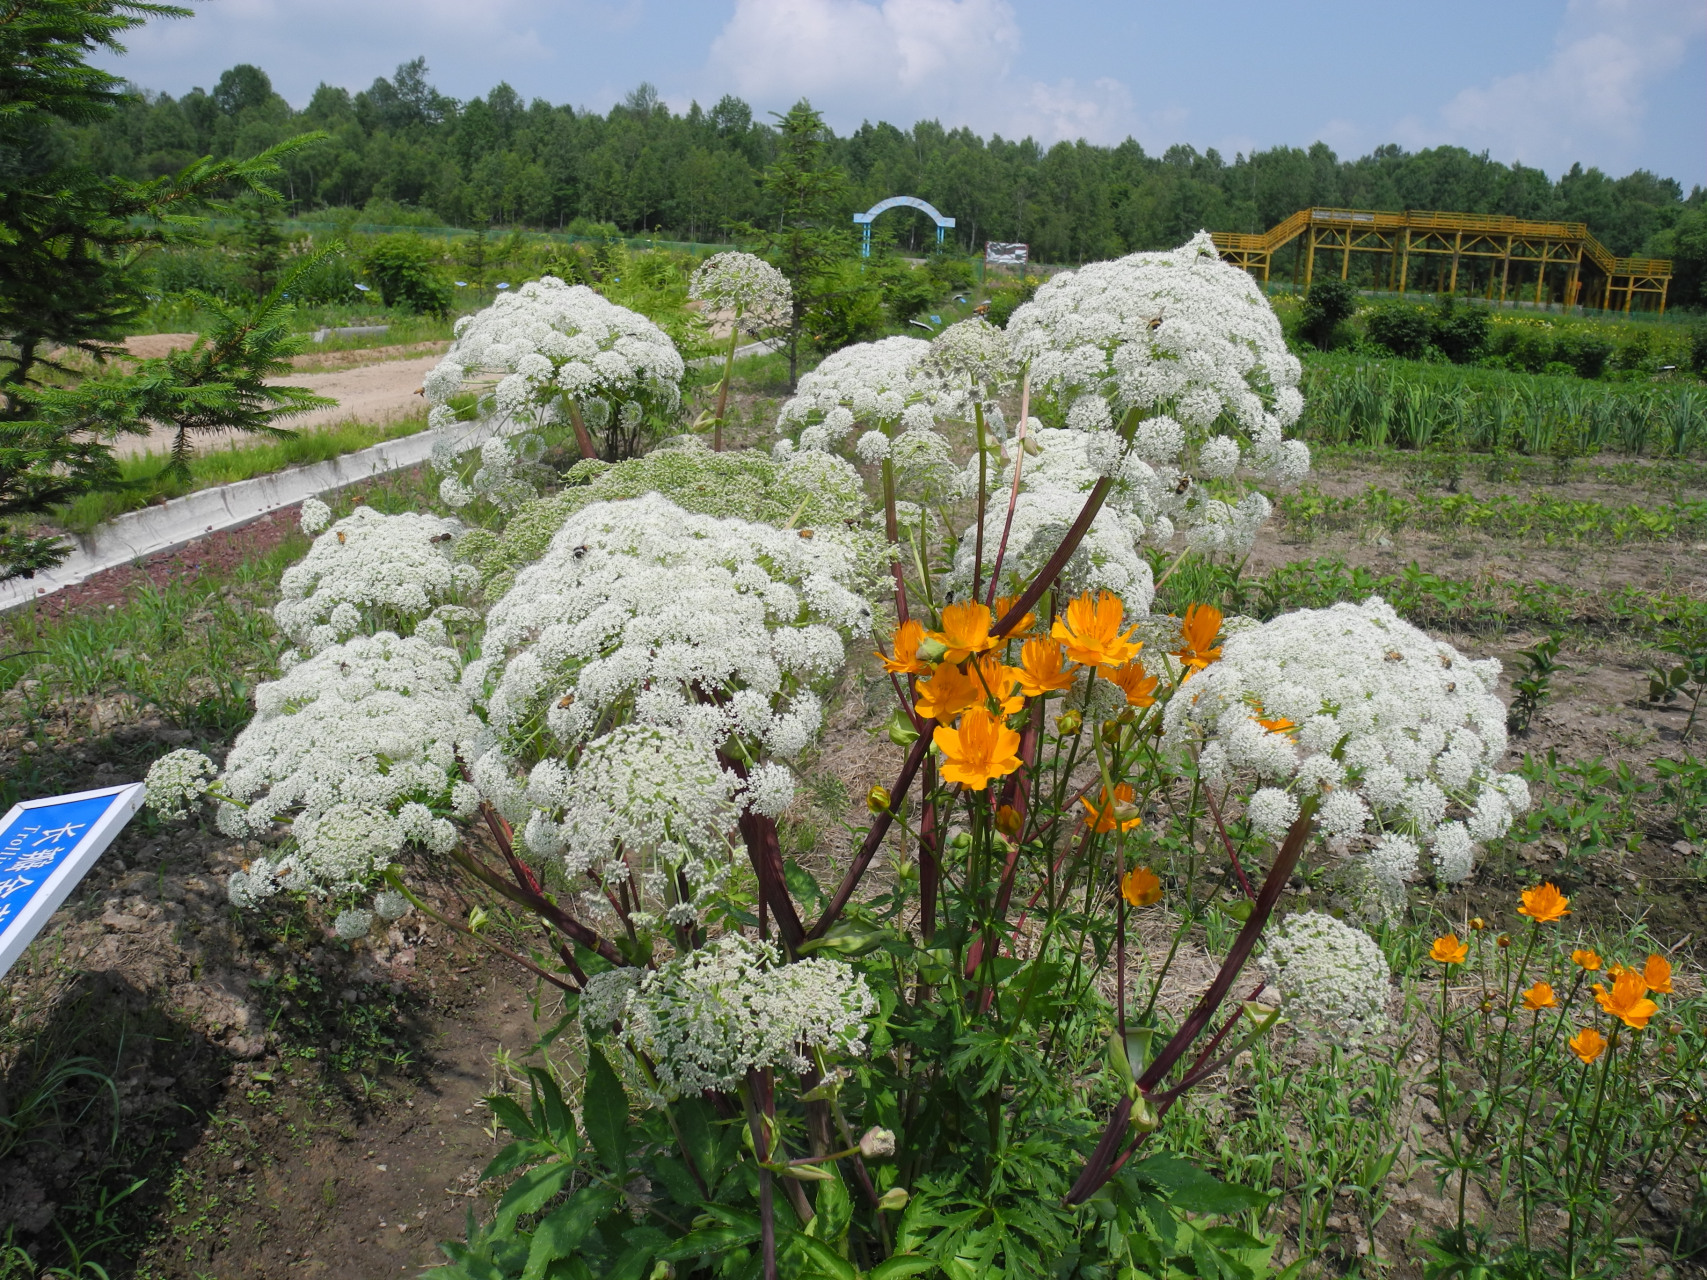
<point x="1420" y="406"/>
<point x="146" y="479"/>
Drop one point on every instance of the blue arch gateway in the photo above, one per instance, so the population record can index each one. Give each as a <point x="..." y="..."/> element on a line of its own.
<point x="911" y="202"/>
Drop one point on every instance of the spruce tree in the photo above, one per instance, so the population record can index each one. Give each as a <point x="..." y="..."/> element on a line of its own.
<point x="807" y="191"/>
<point x="71" y="244"/>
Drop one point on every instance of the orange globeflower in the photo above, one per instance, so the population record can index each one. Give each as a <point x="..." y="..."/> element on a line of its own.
<point x="1091" y="631"/>
<point x="947" y="693"/>
<point x="1657" y="974"/>
<point x="1628" y="1000"/>
<point x="1540" y="997"/>
<point x="996" y="679"/>
<point x="1448" y="950"/>
<point x="1139" y="688"/>
<point x="1041" y="669"/>
<point x="1019" y="628"/>
<point x="1197" y="638"/>
<point x="980" y="749"/>
<point x="1276" y="724"/>
<point x="965" y="630"/>
<point x="1104" y="820"/>
<point x="1588" y="1044"/>
<point x="1544" y="904"/>
<point x="1141" y="887"/>
<point x="906" y="662"/>
<point x="1586" y="960"/>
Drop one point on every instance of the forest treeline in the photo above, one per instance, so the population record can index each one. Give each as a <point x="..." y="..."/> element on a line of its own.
<point x="502" y="161"/>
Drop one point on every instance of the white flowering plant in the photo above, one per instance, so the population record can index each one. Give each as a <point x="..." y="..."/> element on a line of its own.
<point x="949" y="1043"/>
<point x="752" y="297"/>
<point x="549" y="351"/>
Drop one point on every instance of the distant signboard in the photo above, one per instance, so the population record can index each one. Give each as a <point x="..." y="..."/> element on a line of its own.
<point x="1015" y="255"/>
<point x="46" y="847"/>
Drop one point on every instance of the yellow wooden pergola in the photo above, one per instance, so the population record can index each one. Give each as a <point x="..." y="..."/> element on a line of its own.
<point x="1496" y="256"/>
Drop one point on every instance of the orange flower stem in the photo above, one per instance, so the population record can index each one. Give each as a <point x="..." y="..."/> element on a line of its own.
<point x="1045" y="577"/>
<point x="930" y="864"/>
<point x="1096" y="1172"/>
<point x="892" y="532"/>
<point x="1509" y="992"/>
<point x="983" y="483"/>
<point x="1178" y="561"/>
<point x="1013" y="495"/>
<point x="874" y="837"/>
<point x="1592" y="1154"/>
<point x="1227" y="843"/>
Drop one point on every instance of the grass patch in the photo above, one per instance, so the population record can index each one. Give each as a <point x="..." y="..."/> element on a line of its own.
<point x="146" y="480"/>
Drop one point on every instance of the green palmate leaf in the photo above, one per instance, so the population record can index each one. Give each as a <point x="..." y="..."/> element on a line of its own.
<point x="560" y="1234"/>
<point x="604" y="1112"/>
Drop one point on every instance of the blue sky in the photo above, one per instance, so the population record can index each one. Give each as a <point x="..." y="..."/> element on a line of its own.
<point x="1616" y="83"/>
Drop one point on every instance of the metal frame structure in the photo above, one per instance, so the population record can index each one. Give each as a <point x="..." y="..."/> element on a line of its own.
<point x="1498" y="255"/>
<point x="911" y="202"/>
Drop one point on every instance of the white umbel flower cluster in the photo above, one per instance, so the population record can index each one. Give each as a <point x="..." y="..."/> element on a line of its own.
<point x="508" y="475"/>
<point x="1053" y="485"/>
<point x="1398" y="734"/>
<point x="640" y="800"/>
<point x="177" y="781"/>
<point x="548" y="341"/>
<point x="1329" y="973"/>
<point x="1191" y="345"/>
<point x="372" y="572"/>
<point x="640" y="610"/>
<point x="709" y="1017"/>
<point x="754" y="294"/>
<point x="877" y="383"/>
<point x="356" y="748"/>
<point x="972" y="358"/>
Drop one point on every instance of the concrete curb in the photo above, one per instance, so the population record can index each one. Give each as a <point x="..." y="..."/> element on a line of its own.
<point x="155" y="530"/>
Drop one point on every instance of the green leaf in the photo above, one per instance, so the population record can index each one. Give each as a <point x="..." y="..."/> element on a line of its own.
<point x="825" y="1260"/>
<point x="530" y="1193"/>
<point x="635" y="1262"/>
<point x="895" y="1268"/>
<point x="604" y="1111"/>
<point x="560" y="1234"/>
<point x="514" y="1157"/>
<point x="550" y="1107"/>
<point x="511" y="1116"/>
<point x="1191" y="1190"/>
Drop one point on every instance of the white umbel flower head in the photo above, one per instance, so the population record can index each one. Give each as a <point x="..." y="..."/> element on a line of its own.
<point x="711" y="627"/>
<point x="1330" y="974"/>
<point x="709" y="1017"/>
<point x="372" y="572"/>
<point x="972" y="359"/>
<point x="754" y="294"/>
<point x="1393" y="732"/>
<point x="1054" y="483"/>
<point x="878" y="383"/>
<point x="355" y="747"/>
<point x="1190" y="345"/>
<point x="548" y="341"/>
<point x="316" y="515"/>
<point x="177" y="781"/>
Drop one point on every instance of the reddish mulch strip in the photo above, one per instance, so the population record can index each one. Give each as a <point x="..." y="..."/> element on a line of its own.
<point x="215" y="552"/>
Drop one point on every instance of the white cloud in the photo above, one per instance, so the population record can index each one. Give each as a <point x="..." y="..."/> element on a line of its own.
<point x="1590" y="96"/>
<point x="905" y="59"/>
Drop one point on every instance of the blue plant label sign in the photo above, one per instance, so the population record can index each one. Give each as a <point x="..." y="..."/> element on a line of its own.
<point x="46" y="847"/>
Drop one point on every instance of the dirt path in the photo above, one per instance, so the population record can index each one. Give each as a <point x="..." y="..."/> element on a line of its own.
<point x="371" y="393"/>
